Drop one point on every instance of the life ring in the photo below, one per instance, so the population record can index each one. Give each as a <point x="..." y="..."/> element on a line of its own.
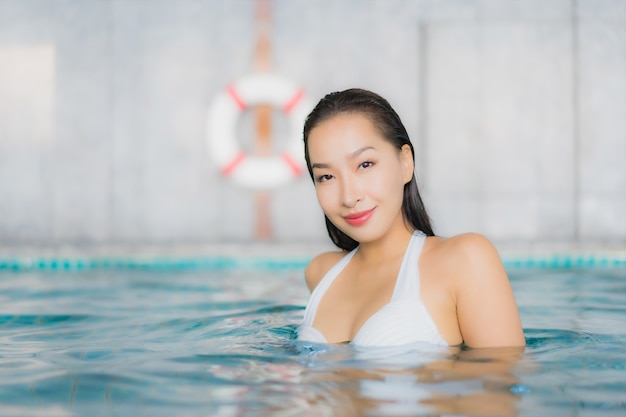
<point x="249" y="170"/>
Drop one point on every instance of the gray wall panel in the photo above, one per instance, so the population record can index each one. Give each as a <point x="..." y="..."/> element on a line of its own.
<point x="602" y="161"/>
<point x="517" y="111"/>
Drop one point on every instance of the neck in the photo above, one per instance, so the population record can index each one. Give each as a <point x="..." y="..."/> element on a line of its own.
<point x="391" y="245"/>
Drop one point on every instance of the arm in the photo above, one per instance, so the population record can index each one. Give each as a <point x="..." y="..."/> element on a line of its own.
<point x="486" y="309"/>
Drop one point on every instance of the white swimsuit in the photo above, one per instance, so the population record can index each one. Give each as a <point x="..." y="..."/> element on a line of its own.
<point x="404" y="320"/>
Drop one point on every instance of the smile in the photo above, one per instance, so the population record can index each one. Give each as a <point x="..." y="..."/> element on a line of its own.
<point x="359" y="219"/>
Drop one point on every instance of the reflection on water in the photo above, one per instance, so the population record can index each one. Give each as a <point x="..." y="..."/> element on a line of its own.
<point x="223" y="344"/>
<point x="412" y="380"/>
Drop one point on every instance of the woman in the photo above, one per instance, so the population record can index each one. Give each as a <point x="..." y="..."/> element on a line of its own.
<point x="394" y="282"/>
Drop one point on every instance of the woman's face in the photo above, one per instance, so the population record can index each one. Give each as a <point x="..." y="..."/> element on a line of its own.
<point x="359" y="176"/>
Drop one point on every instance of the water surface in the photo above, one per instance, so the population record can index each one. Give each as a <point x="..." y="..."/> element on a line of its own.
<point x="222" y="343"/>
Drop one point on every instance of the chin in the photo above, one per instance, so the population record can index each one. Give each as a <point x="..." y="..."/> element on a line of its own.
<point x="362" y="235"/>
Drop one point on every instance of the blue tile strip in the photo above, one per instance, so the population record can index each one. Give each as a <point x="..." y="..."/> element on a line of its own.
<point x="225" y="263"/>
<point x="218" y="263"/>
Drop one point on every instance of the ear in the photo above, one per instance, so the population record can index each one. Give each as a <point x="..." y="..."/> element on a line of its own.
<point x="406" y="159"/>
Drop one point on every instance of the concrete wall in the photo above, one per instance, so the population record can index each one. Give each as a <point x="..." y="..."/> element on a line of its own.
<point x="517" y="110"/>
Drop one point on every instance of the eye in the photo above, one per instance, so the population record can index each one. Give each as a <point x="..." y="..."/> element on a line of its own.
<point x="366" y="164"/>
<point x="323" y="178"/>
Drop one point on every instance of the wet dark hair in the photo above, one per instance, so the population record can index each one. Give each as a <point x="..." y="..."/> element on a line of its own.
<point x="387" y="121"/>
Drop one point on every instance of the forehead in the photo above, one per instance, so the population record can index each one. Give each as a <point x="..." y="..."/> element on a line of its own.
<point x="345" y="130"/>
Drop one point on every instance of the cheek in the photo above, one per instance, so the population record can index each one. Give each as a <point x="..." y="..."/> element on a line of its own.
<point x="323" y="197"/>
<point x="389" y="184"/>
<point x="392" y="190"/>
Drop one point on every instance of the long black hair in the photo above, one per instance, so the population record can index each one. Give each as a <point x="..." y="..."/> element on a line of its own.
<point x="387" y="121"/>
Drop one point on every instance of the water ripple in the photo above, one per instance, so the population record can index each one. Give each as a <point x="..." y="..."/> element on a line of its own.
<point x="195" y="344"/>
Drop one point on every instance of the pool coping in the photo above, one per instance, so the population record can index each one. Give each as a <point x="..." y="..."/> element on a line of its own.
<point x="268" y="255"/>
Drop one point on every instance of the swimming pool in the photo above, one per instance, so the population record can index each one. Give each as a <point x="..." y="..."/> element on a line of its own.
<point x="217" y="338"/>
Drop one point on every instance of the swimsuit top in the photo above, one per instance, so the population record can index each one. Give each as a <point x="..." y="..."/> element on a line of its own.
<point x="403" y="320"/>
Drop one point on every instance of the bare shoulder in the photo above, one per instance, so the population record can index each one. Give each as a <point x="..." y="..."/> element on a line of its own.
<point x="460" y="252"/>
<point x="486" y="308"/>
<point x="319" y="266"/>
<point x="465" y="244"/>
<point x="471" y="257"/>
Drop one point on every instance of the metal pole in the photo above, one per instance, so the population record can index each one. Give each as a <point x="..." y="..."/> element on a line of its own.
<point x="263" y="116"/>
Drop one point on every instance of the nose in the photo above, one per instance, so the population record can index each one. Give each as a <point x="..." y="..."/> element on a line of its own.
<point x="350" y="192"/>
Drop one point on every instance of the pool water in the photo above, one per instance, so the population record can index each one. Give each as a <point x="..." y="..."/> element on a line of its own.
<point x="221" y="342"/>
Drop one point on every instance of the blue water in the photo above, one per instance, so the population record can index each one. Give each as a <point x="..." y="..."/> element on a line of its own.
<point x="222" y="343"/>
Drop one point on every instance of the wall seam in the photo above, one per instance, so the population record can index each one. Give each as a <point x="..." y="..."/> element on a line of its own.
<point x="576" y="139"/>
<point x="421" y="158"/>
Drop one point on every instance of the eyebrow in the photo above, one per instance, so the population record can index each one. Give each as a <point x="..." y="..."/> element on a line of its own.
<point x="350" y="156"/>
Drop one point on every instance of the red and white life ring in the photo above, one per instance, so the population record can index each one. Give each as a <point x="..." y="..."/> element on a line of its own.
<point x="250" y="170"/>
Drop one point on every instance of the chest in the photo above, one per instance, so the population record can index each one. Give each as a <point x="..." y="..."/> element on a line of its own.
<point x="356" y="295"/>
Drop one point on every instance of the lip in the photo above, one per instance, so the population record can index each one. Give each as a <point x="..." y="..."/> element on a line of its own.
<point x="360" y="218"/>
